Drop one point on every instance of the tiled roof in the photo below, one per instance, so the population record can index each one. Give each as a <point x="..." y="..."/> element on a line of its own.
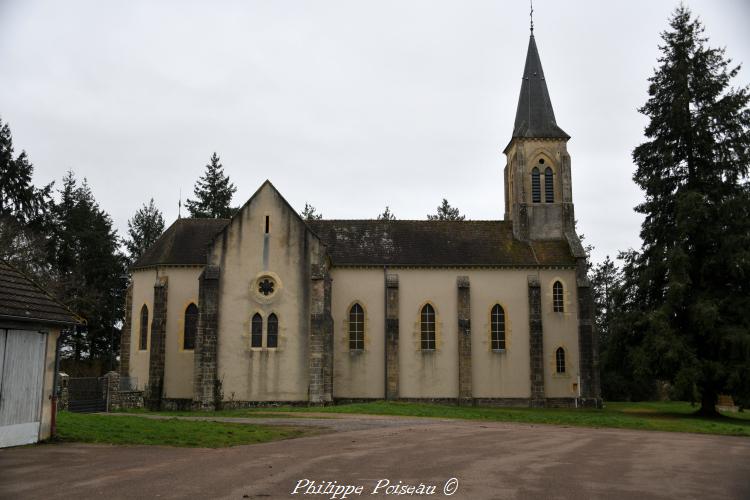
<point x="21" y="299"/>
<point x="183" y="243"/>
<point x="435" y="243"/>
<point x="534" y="115"/>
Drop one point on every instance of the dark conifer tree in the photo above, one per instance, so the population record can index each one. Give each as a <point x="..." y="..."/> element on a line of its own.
<point x="310" y="213"/>
<point x="213" y="193"/>
<point x="693" y="270"/>
<point x="446" y="212"/>
<point x="387" y="215"/>
<point x="143" y="230"/>
<point x="90" y="270"/>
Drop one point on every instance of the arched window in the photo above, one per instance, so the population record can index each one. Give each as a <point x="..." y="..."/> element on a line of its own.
<point x="549" y="186"/>
<point x="143" y="342"/>
<point x="356" y="328"/>
<point x="191" y="327"/>
<point x="557" y="297"/>
<point x="536" y="188"/>
<point x="256" y="332"/>
<point x="560" y="360"/>
<point x="272" y="336"/>
<point x="427" y="323"/>
<point x="497" y="325"/>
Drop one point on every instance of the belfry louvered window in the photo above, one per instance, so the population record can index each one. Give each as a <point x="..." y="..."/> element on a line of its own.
<point x="190" y="327"/>
<point x="143" y="340"/>
<point x="497" y="325"/>
<point x="549" y="186"/>
<point x="272" y="335"/>
<point x="256" y="332"/>
<point x="560" y="360"/>
<point x="427" y="326"/>
<point x="356" y="328"/>
<point x="557" y="297"/>
<point x="536" y="188"/>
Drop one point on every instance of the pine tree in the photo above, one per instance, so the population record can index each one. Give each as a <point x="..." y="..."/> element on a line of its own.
<point x="387" y="215"/>
<point x="90" y="270"/>
<point x="604" y="280"/>
<point x="309" y="213"/>
<point x="19" y="198"/>
<point x="24" y="212"/>
<point x="693" y="268"/>
<point x="143" y="230"/>
<point x="446" y="212"/>
<point x="213" y="192"/>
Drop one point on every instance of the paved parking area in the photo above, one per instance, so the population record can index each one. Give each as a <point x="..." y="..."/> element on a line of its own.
<point x="488" y="460"/>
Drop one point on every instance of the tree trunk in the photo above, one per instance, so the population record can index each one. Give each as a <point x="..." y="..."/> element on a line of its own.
<point x="709" y="398"/>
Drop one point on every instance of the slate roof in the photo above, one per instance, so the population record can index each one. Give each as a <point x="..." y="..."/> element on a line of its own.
<point x="534" y="115"/>
<point x="22" y="300"/>
<point x="185" y="242"/>
<point x="435" y="243"/>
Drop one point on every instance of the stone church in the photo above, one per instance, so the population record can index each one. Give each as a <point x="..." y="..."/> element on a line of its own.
<point x="267" y="307"/>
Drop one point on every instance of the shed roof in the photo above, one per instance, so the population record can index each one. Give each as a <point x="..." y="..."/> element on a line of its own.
<point x="23" y="300"/>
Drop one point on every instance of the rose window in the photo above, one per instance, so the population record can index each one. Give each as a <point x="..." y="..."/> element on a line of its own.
<point x="266" y="286"/>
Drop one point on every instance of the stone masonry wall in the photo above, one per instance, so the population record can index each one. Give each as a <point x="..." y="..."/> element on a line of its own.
<point x="536" y="342"/>
<point x="464" y="341"/>
<point x="157" y="349"/>
<point x="205" y="383"/>
<point x="391" y="336"/>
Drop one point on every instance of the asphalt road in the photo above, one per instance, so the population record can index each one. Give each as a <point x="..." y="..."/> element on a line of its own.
<point x="488" y="460"/>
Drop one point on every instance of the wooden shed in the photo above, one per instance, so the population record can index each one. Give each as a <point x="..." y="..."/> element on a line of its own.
<point x="30" y="325"/>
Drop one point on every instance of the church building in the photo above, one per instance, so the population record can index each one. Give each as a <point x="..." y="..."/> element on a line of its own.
<point x="266" y="307"/>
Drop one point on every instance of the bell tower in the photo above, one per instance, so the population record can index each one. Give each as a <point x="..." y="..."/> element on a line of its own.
<point x="538" y="193"/>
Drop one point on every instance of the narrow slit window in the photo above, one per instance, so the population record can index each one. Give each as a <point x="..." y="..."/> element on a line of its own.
<point x="557" y="297"/>
<point x="427" y="324"/>
<point x="143" y="341"/>
<point x="272" y="336"/>
<point x="549" y="186"/>
<point x="498" y="328"/>
<point x="356" y="328"/>
<point x="256" y="333"/>
<point x="190" y="327"/>
<point x="560" y="360"/>
<point x="536" y="188"/>
<point x="268" y="223"/>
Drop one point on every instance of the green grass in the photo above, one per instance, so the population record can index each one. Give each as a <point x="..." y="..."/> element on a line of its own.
<point x="652" y="416"/>
<point x="89" y="428"/>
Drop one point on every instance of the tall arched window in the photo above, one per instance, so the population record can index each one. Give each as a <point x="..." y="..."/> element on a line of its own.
<point x="191" y="327"/>
<point x="560" y="360"/>
<point x="536" y="188"/>
<point x="356" y="328"/>
<point x="497" y="325"/>
<point x="272" y="336"/>
<point x="549" y="186"/>
<point x="256" y="332"/>
<point x="427" y="324"/>
<point x="557" y="297"/>
<point x="143" y="339"/>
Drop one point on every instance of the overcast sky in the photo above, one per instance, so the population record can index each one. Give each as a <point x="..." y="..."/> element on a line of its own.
<point x="348" y="105"/>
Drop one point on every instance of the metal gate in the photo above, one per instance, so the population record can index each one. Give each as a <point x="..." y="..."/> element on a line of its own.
<point x="87" y="394"/>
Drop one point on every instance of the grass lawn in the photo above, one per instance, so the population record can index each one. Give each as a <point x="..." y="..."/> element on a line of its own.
<point x="671" y="416"/>
<point x="90" y="428"/>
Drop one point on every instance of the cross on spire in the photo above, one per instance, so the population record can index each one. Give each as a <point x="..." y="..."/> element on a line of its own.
<point x="531" y="15"/>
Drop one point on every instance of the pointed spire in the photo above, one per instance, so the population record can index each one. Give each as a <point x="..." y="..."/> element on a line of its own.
<point x="534" y="115"/>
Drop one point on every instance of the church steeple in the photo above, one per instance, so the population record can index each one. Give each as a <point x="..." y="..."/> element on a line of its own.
<point x="538" y="191"/>
<point x="534" y="115"/>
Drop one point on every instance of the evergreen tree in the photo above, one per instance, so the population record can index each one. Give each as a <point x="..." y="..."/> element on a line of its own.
<point x="693" y="269"/>
<point x="387" y="215"/>
<point x="90" y="270"/>
<point x="24" y="212"/>
<point x="604" y="280"/>
<point x="446" y="212"/>
<point x="213" y="193"/>
<point x="309" y="213"/>
<point x="143" y="230"/>
<point x="19" y="198"/>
